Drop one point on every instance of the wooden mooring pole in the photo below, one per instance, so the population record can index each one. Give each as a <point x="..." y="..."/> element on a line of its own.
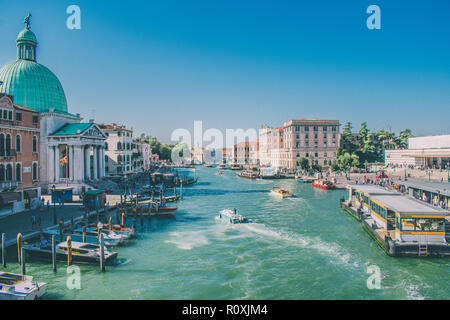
<point x="4" y="250"/>
<point x="61" y="223"/>
<point x="54" y="252"/>
<point x="22" y="253"/>
<point x="84" y="234"/>
<point x="102" y="254"/>
<point x="19" y="247"/>
<point x="69" y="251"/>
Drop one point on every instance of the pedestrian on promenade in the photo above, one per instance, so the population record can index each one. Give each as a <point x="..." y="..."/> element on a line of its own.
<point x="33" y="222"/>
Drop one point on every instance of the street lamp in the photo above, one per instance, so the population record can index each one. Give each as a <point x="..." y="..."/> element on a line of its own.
<point x="405" y="170"/>
<point x="448" y="172"/>
<point x="54" y="204"/>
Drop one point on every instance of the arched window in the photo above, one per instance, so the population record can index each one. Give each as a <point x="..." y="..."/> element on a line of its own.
<point x="106" y="145"/>
<point x="35" y="142"/>
<point x="119" y="146"/>
<point x="119" y="158"/>
<point x="18" y="143"/>
<point x="2" y="144"/>
<point x="9" y="172"/>
<point x="2" y="172"/>
<point x="35" y="173"/>
<point x="8" y="145"/>
<point x="18" y="172"/>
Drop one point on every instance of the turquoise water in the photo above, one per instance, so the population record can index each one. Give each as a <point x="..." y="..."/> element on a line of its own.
<point x="300" y="248"/>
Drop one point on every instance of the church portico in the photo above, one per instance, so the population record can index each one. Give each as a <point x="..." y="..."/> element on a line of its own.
<point x="75" y="154"/>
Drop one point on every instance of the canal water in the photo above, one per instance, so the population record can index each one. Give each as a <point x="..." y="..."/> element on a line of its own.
<point x="300" y="248"/>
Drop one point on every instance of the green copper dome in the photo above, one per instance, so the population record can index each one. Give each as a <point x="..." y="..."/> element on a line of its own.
<point x="31" y="84"/>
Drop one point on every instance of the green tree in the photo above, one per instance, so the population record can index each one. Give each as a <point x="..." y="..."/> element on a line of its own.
<point x="303" y="163"/>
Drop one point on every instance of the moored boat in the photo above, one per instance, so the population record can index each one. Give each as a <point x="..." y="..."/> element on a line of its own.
<point x="232" y="216"/>
<point x="208" y="165"/>
<point x="83" y="253"/>
<point x="235" y="166"/>
<point x="280" y="192"/>
<point x="20" y="287"/>
<point x="91" y="237"/>
<point x="222" y="167"/>
<point x="323" y="184"/>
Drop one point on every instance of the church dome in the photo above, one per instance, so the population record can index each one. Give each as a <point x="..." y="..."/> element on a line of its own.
<point x="31" y="84"/>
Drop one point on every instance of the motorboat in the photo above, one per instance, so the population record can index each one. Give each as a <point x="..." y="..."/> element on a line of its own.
<point x="323" y="184"/>
<point x="280" y="192"/>
<point x="248" y="174"/>
<point x="20" y="287"/>
<point x="83" y="253"/>
<point x="232" y="216"/>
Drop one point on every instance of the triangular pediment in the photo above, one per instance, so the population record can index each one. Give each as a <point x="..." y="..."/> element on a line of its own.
<point x="94" y="131"/>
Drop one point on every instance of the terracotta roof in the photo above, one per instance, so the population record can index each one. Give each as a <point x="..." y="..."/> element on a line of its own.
<point x="25" y="108"/>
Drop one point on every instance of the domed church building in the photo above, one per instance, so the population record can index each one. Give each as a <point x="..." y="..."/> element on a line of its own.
<point x="71" y="152"/>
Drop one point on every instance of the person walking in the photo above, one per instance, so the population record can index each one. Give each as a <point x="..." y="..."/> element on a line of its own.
<point x="33" y="222"/>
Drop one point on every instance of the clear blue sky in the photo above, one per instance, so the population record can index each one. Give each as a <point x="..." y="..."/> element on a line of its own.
<point x="159" y="65"/>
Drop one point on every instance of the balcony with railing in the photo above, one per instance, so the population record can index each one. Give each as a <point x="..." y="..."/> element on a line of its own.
<point x="8" y="154"/>
<point x="8" y="185"/>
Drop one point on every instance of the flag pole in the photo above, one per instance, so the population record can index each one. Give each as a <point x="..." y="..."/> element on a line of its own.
<point x="67" y="165"/>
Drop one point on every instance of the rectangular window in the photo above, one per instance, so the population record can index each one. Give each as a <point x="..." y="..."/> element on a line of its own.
<point x="35" y="119"/>
<point x="18" y="116"/>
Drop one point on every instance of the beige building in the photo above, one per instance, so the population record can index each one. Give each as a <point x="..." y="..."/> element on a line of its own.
<point x="118" y="150"/>
<point x="314" y="139"/>
<point x="142" y="155"/>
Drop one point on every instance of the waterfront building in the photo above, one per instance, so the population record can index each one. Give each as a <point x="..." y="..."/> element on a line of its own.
<point x="253" y="153"/>
<point x="142" y="152"/>
<point x="227" y="155"/>
<point x="118" y="150"/>
<point x="197" y="155"/>
<point x="429" y="151"/>
<point x="19" y="157"/>
<point x="241" y="153"/>
<point x="70" y="151"/>
<point x="314" y="139"/>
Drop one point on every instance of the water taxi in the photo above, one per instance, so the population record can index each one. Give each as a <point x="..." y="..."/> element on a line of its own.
<point x="232" y="216"/>
<point x="235" y="166"/>
<point x="20" y="287"/>
<point x="323" y="184"/>
<point x="282" y="193"/>
<point x="222" y="167"/>
<point x="248" y="174"/>
<point x="83" y="253"/>
<point x="208" y="165"/>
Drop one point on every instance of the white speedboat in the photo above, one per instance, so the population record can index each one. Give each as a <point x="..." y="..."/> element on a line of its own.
<point x="20" y="287"/>
<point x="232" y="216"/>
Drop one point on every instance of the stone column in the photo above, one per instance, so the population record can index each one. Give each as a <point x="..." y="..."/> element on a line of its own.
<point x="81" y="168"/>
<point x="71" y="163"/>
<point x="87" y="155"/>
<point x="78" y="172"/>
<point x="51" y="164"/>
<point x="95" y="163"/>
<point x="57" y="166"/>
<point x="102" y="160"/>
